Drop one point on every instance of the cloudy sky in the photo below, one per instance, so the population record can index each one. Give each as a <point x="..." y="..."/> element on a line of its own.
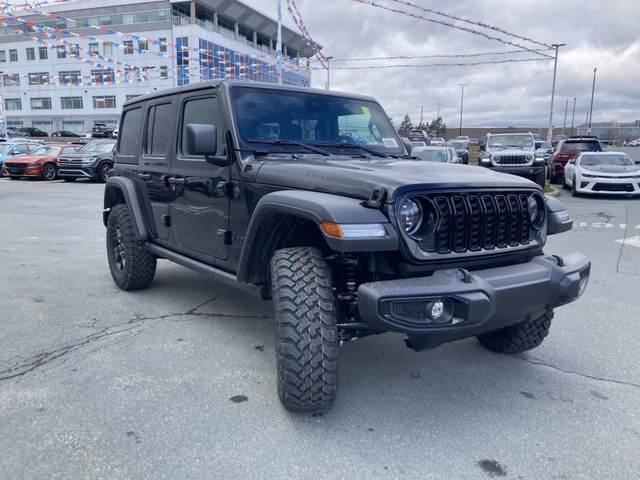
<point x="597" y="34"/>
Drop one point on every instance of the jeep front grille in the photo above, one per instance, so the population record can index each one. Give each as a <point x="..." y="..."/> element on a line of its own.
<point x="512" y="159"/>
<point x="472" y="222"/>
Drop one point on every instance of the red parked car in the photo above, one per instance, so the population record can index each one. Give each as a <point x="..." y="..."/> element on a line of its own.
<point x="41" y="162"/>
<point x="566" y="150"/>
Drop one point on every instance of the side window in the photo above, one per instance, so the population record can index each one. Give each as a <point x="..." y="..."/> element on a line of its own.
<point x="159" y="129"/>
<point x="130" y="132"/>
<point x="204" y="110"/>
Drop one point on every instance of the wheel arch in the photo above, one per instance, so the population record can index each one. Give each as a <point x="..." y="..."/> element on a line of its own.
<point x="119" y="190"/>
<point x="293" y="218"/>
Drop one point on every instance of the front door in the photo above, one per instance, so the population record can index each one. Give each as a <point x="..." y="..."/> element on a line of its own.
<point x="199" y="206"/>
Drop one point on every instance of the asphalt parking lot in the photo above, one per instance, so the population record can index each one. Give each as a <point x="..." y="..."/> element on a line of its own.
<point x="178" y="381"/>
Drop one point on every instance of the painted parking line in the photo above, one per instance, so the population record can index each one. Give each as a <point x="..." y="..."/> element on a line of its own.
<point x="603" y="225"/>
<point x="633" y="241"/>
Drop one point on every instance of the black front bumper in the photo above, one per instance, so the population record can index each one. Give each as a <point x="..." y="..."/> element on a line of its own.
<point x="474" y="302"/>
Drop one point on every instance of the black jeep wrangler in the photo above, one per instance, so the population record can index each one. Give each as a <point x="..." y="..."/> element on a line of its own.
<point x="255" y="184"/>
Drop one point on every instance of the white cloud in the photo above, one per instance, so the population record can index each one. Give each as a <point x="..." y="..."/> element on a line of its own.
<point x="597" y="34"/>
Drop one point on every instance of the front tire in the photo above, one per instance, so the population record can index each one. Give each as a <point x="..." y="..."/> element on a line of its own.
<point x="519" y="337"/>
<point x="49" y="171"/>
<point x="103" y="172"/>
<point x="306" y="332"/>
<point x="132" y="266"/>
<point x="574" y="189"/>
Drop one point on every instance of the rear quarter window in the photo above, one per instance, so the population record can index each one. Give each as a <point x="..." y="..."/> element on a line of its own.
<point x="130" y="135"/>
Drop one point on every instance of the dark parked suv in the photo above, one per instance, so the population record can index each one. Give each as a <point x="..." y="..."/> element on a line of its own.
<point x="33" y="132"/>
<point x="566" y="150"/>
<point x="93" y="161"/>
<point x="102" y="130"/>
<point x="253" y="184"/>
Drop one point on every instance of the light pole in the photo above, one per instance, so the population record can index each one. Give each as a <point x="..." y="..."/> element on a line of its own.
<point x="573" y="116"/>
<point x="593" y="89"/>
<point x="462" y="85"/>
<point x="328" y="70"/>
<point x="553" y="90"/>
<point x="3" y="118"/>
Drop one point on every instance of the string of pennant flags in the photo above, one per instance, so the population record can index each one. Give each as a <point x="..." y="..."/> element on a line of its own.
<point x="222" y="63"/>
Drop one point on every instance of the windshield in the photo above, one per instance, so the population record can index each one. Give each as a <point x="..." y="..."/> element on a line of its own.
<point x="621" y="159"/>
<point x="430" y="155"/>
<point x="98" y="147"/>
<point x="45" y="151"/>
<point x="458" y="145"/>
<point x="518" y="141"/>
<point x="581" y="147"/>
<point x="278" y="121"/>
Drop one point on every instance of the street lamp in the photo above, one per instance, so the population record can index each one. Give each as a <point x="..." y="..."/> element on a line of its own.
<point x="328" y="69"/>
<point x="593" y="89"/>
<point x="553" y="90"/>
<point x="462" y="85"/>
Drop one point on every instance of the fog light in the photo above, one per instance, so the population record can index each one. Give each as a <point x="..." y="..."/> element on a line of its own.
<point x="439" y="310"/>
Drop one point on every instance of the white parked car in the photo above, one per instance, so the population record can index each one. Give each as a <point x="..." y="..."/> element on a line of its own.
<point x="438" y="141"/>
<point x="433" y="153"/>
<point x="611" y="173"/>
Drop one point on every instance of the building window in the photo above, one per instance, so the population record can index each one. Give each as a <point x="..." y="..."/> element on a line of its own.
<point x="42" y="52"/>
<point x="69" y="77"/>
<point x="107" y="48"/>
<point x="163" y="44"/>
<point x="62" y="53"/>
<point x="106" y="101"/>
<point x="41" y="103"/>
<point x="102" y="76"/>
<point x="93" y="48"/>
<point x="164" y="72"/>
<point x="3" y="56"/>
<point x="128" y="47"/>
<point x="71" y="103"/>
<point x="31" y="53"/>
<point x="11" y="79"/>
<point x="74" y="50"/>
<point x="40" y="78"/>
<point x="13" y="104"/>
<point x="130" y="96"/>
<point x="44" y="125"/>
<point x="13" y="55"/>
<point x="73" y="126"/>
<point x="142" y="45"/>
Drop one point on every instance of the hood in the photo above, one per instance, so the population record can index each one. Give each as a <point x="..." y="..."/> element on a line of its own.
<point x="357" y="177"/>
<point x="611" y="168"/>
<point x="30" y="158"/>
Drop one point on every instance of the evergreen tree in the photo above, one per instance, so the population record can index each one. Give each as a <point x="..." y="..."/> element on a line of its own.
<point x="437" y="128"/>
<point x="406" y="126"/>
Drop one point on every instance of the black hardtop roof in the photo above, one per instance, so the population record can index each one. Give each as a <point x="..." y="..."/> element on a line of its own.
<point x="230" y="83"/>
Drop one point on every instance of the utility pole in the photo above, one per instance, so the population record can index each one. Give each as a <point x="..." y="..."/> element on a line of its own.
<point x="279" y="44"/>
<point x="3" y="118"/>
<point x="421" y="112"/>
<point x="462" y="85"/>
<point x="553" y="90"/>
<point x="564" y="124"/>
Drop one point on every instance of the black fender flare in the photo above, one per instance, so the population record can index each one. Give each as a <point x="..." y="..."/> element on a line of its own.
<point x="124" y="190"/>
<point x="316" y="207"/>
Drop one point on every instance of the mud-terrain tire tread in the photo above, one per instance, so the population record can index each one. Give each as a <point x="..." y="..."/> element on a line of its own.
<point x="519" y="337"/>
<point x="306" y="333"/>
<point x="139" y="266"/>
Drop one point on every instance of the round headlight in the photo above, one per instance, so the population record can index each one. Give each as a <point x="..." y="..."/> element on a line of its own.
<point x="537" y="211"/>
<point x="410" y="216"/>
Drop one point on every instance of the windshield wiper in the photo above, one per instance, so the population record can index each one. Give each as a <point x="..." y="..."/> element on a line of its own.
<point x="289" y="143"/>
<point x="352" y="145"/>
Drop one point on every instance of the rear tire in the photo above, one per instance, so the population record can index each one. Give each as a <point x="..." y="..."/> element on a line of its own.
<point x="306" y="332"/>
<point x="132" y="266"/>
<point x="519" y="337"/>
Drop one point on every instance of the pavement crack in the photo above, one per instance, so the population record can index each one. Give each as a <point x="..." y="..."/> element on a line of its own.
<point x="579" y="374"/>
